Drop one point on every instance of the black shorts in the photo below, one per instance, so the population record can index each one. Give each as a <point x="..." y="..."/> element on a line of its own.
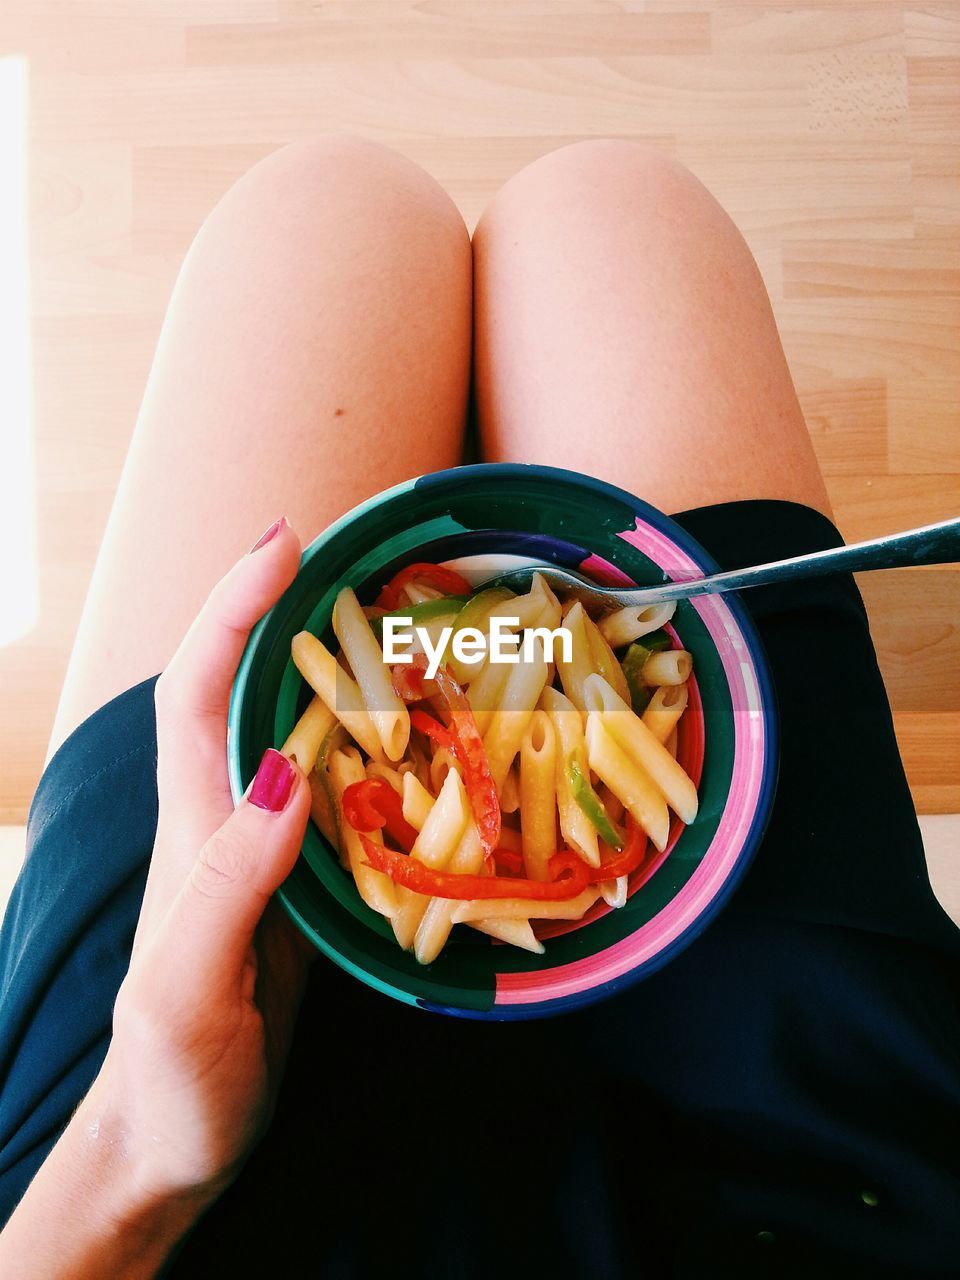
<point x="783" y="1098"/>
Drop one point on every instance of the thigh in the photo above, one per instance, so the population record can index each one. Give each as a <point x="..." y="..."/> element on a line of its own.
<point x="316" y="350"/>
<point x="622" y="328"/>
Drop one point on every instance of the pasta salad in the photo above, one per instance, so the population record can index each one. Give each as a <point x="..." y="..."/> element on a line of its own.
<point x="490" y="759"/>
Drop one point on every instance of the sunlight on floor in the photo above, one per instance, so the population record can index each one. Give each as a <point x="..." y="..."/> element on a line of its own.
<point x="18" y="487"/>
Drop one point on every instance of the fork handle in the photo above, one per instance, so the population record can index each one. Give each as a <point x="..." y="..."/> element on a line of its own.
<point x="931" y="544"/>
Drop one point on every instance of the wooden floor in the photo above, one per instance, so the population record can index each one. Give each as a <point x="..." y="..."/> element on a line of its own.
<point x="830" y="131"/>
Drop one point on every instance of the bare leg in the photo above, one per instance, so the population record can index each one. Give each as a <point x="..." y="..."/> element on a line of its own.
<point x="316" y="350"/>
<point x="622" y="329"/>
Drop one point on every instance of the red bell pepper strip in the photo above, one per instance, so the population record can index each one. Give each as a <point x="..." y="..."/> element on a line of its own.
<point x="627" y="860"/>
<point x="408" y="682"/>
<point x="468" y="748"/>
<point x="508" y="860"/>
<point x="448" y="581"/>
<point x="413" y="874"/>
<point x="373" y="803"/>
<point x="437" y="732"/>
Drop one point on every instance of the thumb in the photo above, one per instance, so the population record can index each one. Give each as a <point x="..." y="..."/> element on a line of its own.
<point x="239" y="868"/>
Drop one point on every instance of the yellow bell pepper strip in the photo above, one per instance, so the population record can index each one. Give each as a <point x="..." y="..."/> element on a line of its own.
<point x="468" y="748"/>
<point x="578" y="775"/>
<point x="570" y="877"/>
<point x="433" y="575"/>
<point x="373" y="803"/>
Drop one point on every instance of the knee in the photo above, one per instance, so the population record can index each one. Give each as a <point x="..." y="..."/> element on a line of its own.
<point x="614" y="176"/>
<point x="344" y="179"/>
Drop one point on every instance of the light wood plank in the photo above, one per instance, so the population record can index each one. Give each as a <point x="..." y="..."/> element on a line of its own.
<point x="467" y="33"/>
<point x="850" y="269"/>
<point x="830" y="130"/>
<point x="923" y="426"/>
<point x="868" y="506"/>
<point x="847" y="421"/>
<point x="915" y="624"/>
<point x="930" y="748"/>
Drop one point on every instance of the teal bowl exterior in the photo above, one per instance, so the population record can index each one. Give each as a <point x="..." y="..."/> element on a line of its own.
<point x="728" y="743"/>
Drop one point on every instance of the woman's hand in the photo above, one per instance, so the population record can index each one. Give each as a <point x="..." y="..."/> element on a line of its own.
<point x="203" y="1020"/>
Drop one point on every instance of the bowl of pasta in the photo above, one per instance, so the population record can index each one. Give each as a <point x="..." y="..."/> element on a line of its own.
<point x="520" y="804"/>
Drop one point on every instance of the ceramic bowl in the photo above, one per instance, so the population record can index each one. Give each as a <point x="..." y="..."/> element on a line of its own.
<point x="483" y="519"/>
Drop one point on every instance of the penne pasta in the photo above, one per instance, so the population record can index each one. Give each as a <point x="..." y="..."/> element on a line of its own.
<point x="526" y="608"/>
<point x="550" y="610"/>
<point x="510" y="798"/>
<point x="417" y="594"/>
<point x="389" y="774"/>
<point x="486" y="692"/>
<point x="671" y="667"/>
<point x="603" y="659"/>
<point x="575" y="826"/>
<point x="636" y="740"/>
<point x="517" y="932"/>
<point x="664" y="710"/>
<point x="339" y="691"/>
<point x="538" y="795"/>
<point x="376" y="889"/>
<point x="443" y="762"/>
<point x="623" y="626"/>
<point x="303" y="741"/>
<point x="614" y="892"/>
<point x="434" y="928"/>
<point x="441" y="832"/>
<point x="521" y="691"/>
<point x="491" y="908"/>
<point x="627" y="780"/>
<point x="384" y="705"/>
<point x="573" y="673"/>
<point x="671" y="742"/>
<point x="417" y="800"/>
<point x="435" y="844"/>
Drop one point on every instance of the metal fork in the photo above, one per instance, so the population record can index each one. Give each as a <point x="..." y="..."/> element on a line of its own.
<point x="930" y="544"/>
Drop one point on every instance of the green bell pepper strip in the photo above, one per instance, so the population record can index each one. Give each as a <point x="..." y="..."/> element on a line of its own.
<point x="657" y="641"/>
<point x="476" y="610"/>
<point x="632" y="664"/>
<point x="578" y="775"/>
<point x="475" y="613"/>
<point x="447" y="607"/>
<point x="324" y="809"/>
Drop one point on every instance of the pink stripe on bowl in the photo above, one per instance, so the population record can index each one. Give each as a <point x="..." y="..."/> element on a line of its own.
<point x="726" y="846"/>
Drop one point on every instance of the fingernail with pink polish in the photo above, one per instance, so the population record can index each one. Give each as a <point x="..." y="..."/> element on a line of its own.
<point x="273" y="783"/>
<point x="270" y="533"/>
